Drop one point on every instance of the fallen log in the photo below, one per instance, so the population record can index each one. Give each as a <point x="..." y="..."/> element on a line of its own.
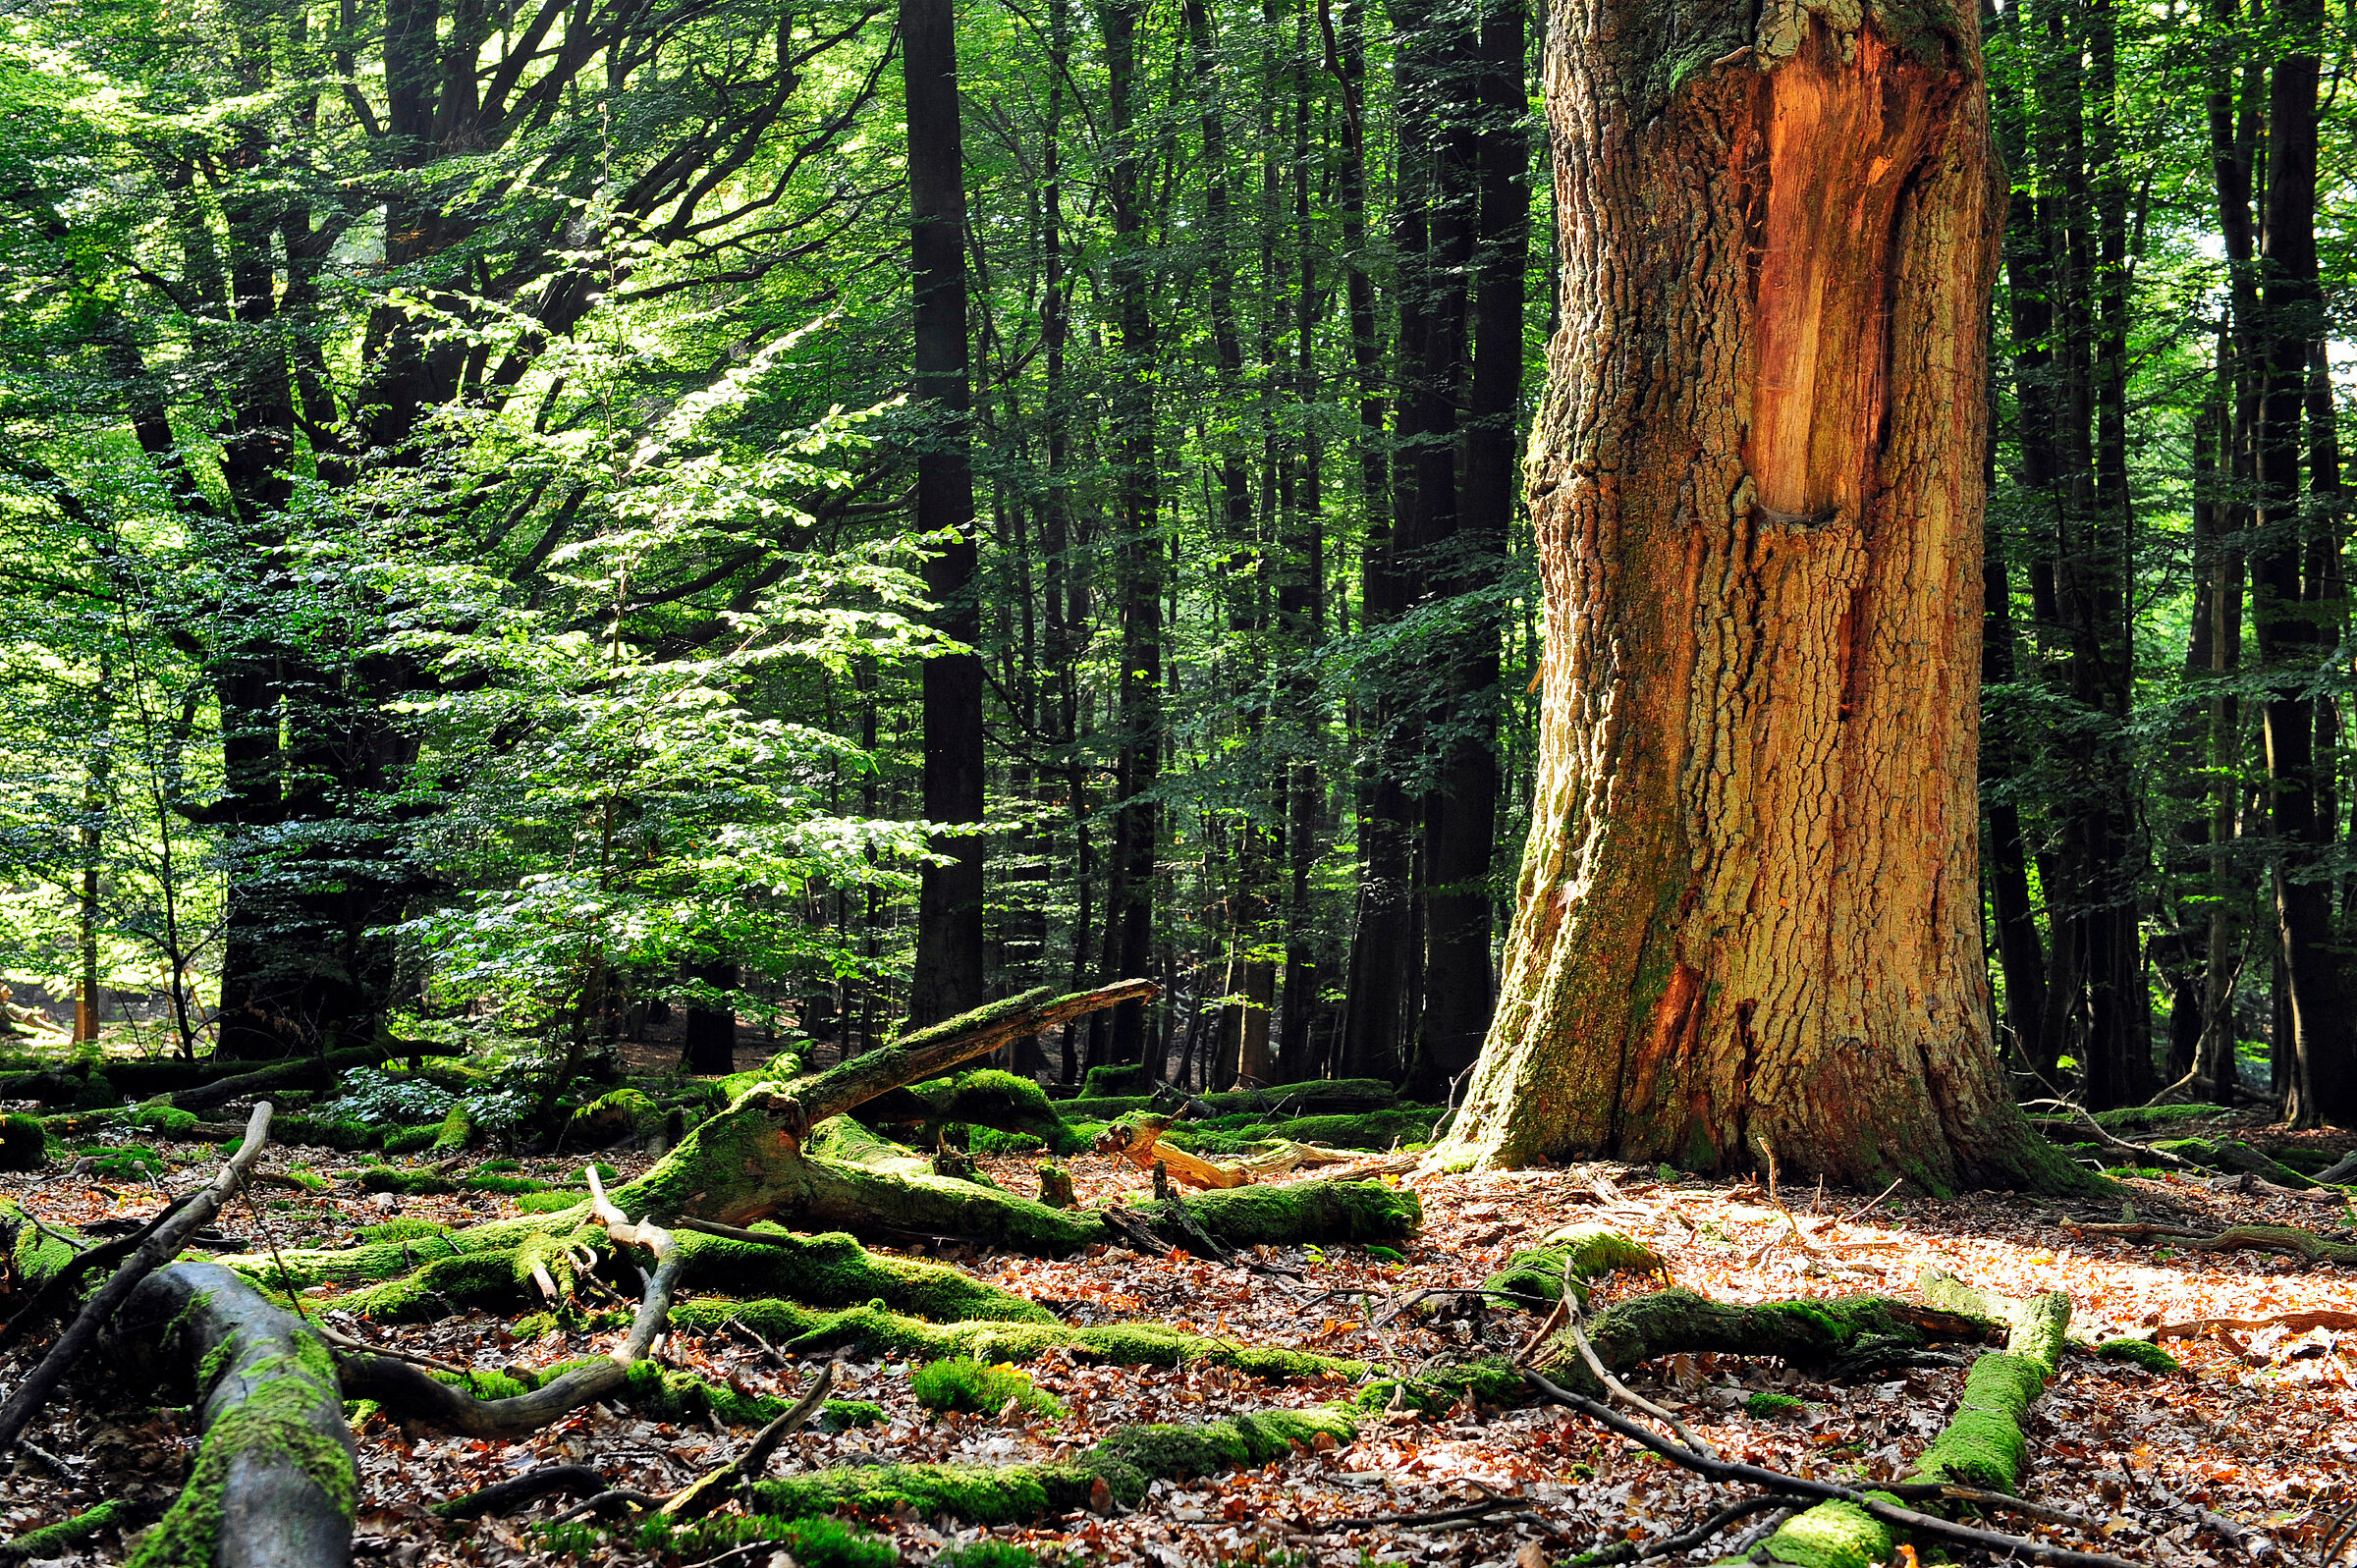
<point x="2290" y="1240"/>
<point x="275" y="1484"/>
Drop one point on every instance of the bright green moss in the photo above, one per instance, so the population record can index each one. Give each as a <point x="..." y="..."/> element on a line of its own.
<point x="846" y="1415"/>
<point x="67" y="1535"/>
<point x="403" y="1227"/>
<point x="457" y="1130"/>
<point x="832" y="1269"/>
<point x="549" y="1202"/>
<point x="1126" y="1461"/>
<point x="1532" y="1280"/>
<point x="988" y="1554"/>
<point x="1832" y="1535"/>
<point x="621" y="1114"/>
<point x="24" y="1144"/>
<point x="961" y="1383"/>
<point x="410" y="1139"/>
<point x="2143" y="1352"/>
<point x="413" y="1183"/>
<point x="1767" y="1406"/>
<point x="877" y="1330"/>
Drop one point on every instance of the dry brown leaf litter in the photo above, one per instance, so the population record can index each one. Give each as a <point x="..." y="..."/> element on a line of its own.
<point x="2260" y="1429"/>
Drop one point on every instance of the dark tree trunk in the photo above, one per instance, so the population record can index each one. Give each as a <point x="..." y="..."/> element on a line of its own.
<point x="709" y="1042"/>
<point x="1462" y="823"/>
<point x="949" y="977"/>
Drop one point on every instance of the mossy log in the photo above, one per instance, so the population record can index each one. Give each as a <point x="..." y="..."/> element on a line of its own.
<point x="772" y="1155"/>
<point x="869" y="1330"/>
<point x="1814" y="1332"/>
<point x="1123" y="1464"/>
<point x="988" y="1098"/>
<point x="275" y="1484"/>
<point x="1533" y="1278"/>
<point x="1983" y="1447"/>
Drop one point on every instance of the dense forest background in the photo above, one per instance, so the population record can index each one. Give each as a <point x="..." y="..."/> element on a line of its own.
<point x="465" y="475"/>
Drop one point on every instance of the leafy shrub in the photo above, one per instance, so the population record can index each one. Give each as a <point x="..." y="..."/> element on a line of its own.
<point x="962" y="1383"/>
<point x="381" y="1099"/>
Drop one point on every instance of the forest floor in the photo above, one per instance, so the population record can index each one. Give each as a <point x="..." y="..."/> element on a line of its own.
<point x="2261" y="1428"/>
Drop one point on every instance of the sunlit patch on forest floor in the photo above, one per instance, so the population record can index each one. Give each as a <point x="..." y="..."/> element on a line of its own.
<point x="2261" y="1428"/>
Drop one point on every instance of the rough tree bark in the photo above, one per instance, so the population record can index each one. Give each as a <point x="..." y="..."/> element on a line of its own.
<point x="1746" y="909"/>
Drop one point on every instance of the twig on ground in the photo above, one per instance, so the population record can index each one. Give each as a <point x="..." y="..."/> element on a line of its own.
<point x="1621" y="1390"/>
<point x="1723" y="1470"/>
<point x="709" y="1492"/>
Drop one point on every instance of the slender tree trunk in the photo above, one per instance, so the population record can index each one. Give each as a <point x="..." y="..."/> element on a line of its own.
<point x="949" y="977"/>
<point x="2320" y="1086"/>
<point x="1370" y="1044"/>
<point x="708" y="1041"/>
<point x="1748" y="914"/>
<point x="1462" y="823"/>
<point x="1130" y="913"/>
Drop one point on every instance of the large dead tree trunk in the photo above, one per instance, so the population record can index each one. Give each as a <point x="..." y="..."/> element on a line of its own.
<point x="1747" y="905"/>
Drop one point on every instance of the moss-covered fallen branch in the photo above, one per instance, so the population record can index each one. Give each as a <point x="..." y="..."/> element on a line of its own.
<point x="876" y="1330"/>
<point x="1982" y="1446"/>
<point x="71" y="1535"/>
<point x="275" y="1479"/>
<point x="1816" y="1333"/>
<point x="1116" y="1470"/>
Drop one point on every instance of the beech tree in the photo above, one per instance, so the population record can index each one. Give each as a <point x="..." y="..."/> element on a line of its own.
<point x="1746" y="926"/>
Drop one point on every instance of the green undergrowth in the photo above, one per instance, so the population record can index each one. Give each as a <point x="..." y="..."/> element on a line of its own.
<point x="1126" y="1462"/>
<point x="873" y="1329"/>
<point x="1768" y="1406"/>
<point x="961" y="1383"/>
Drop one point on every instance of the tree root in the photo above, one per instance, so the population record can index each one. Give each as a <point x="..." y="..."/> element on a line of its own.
<point x="275" y="1484"/>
